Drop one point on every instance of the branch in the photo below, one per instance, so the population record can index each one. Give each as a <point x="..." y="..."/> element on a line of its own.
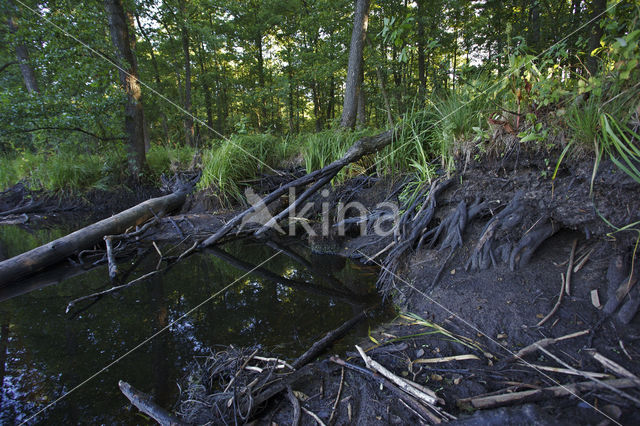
<point x="73" y="129"/>
<point x="8" y="64"/>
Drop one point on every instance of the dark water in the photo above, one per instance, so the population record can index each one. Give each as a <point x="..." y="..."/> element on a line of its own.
<point x="45" y="353"/>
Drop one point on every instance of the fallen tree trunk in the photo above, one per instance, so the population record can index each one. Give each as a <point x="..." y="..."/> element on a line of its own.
<point x="362" y="147"/>
<point x="34" y="260"/>
<point x="144" y="403"/>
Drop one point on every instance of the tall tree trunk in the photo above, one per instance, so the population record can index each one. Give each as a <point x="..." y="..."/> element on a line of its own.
<point x="290" y="100"/>
<point x="156" y="77"/>
<point x="261" y="81"/>
<point x="599" y="6"/>
<point x="422" y="76"/>
<point x="133" y="112"/>
<point x="354" y="69"/>
<point x="361" y="115"/>
<point x="22" y="54"/>
<point x="331" y="101"/>
<point x="576" y="6"/>
<point x="205" y="88"/>
<point x="534" y="26"/>
<point x="188" y="118"/>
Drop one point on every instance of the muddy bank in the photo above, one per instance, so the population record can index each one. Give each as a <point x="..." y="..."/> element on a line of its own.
<point x="484" y="315"/>
<point x="484" y="311"/>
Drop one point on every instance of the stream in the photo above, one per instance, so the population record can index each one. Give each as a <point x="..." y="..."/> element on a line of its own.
<point x="44" y="352"/>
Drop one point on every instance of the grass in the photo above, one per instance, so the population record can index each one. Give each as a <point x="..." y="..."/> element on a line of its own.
<point x="163" y="159"/>
<point x="227" y="167"/>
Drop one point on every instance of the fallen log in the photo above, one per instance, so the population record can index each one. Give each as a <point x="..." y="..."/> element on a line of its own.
<point x="144" y="403"/>
<point x="34" y="260"/>
<point x="484" y="402"/>
<point x="319" y="178"/>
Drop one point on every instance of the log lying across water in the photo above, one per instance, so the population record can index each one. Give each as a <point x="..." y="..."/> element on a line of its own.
<point x="34" y="260"/>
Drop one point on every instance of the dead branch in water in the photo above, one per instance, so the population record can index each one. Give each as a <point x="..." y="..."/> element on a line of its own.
<point x="144" y="403"/>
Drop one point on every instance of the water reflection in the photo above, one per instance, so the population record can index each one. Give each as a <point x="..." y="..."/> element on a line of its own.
<point x="285" y="306"/>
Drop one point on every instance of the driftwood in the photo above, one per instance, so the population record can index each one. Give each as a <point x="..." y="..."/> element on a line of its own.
<point x="144" y="403"/>
<point x="540" y="343"/>
<point x="484" y="402"/>
<point x="34" y="260"/>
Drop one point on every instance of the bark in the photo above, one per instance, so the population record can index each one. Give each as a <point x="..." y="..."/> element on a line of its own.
<point x="599" y="6"/>
<point x="22" y="54"/>
<point x="361" y="116"/>
<point x="260" y="59"/>
<point x="383" y="90"/>
<point x="188" y="119"/>
<point x="354" y="69"/>
<point x="534" y="26"/>
<point x="128" y="72"/>
<point x="34" y="260"/>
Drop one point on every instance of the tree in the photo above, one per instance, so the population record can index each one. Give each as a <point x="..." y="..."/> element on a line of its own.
<point x="22" y="54"/>
<point x="354" y="70"/>
<point x="128" y="72"/>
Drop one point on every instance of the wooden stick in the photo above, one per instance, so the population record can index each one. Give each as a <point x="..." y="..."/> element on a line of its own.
<point x="318" y="347"/>
<point x="557" y="305"/>
<point x="335" y="404"/>
<point x="144" y="403"/>
<point x="315" y="417"/>
<point x="536" y="395"/>
<point x="613" y="366"/>
<point x="611" y="388"/>
<point x="111" y="260"/>
<point x="296" y="406"/>
<point x="414" y="403"/>
<point x="416" y="393"/>
<point x="567" y="371"/>
<point x="543" y="343"/>
<point x="567" y="281"/>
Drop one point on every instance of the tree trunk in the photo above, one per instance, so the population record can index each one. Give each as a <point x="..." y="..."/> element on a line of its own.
<point x="128" y="72"/>
<point x="28" y="75"/>
<point x="206" y="89"/>
<point x="34" y="260"/>
<point x="599" y="6"/>
<point x="534" y="26"/>
<point x="361" y="116"/>
<point x="156" y="77"/>
<point x="422" y="76"/>
<point x="355" y="66"/>
<point x="188" y="119"/>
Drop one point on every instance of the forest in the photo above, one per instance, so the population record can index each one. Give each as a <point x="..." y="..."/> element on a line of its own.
<point x="424" y="174"/>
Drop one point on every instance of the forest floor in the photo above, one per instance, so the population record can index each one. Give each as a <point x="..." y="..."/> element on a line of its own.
<point x="484" y="315"/>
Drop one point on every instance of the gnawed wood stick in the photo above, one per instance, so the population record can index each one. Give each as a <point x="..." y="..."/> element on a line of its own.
<point x="111" y="260"/>
<point x="402" y="384"/>
<point x="493" y="401"/>
<point x="295" y="404"/>
<point x="543" y="343"/>
<point x="414" y="403"/>
<point x="613" y="366"/>
<point x="567" y="371"/>
<point x="144" y="403"/>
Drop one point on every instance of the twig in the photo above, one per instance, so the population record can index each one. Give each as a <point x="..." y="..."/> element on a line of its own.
<point x="557" y="305"/>
<point x="603" y="384"/>
<point x="316" y="418"/>
<point x="335" y="404"/>
<point x="110" y="290"/>
<point x="240" y="370"/>
<point x="567" y="281"/>
<point x="444" y="359"/>
<point x="582" y="261"/>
